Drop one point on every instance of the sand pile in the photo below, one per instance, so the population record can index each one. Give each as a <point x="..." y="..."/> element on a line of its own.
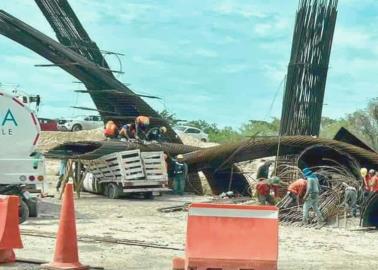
<point x="189" y="140"/>
<point x="50" y="139"/>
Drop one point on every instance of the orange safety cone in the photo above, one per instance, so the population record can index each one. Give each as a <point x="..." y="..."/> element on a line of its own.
<point x="9" y="229"/>
<point x="66" y="251"/>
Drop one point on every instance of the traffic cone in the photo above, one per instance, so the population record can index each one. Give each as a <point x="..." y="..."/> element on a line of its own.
<point x="9" y="229"/>
<point x="66" y="251"/>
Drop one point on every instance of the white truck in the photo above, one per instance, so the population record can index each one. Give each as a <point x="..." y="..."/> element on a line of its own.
<point x="127" y="172"/>
<point x="19" y="134"/>
<point x="81" y="123"/>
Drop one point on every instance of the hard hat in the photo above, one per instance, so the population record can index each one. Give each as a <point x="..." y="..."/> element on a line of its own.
<point x="363" y="172"/>
<point x="371" y="171"/>
<point x="163" y="129"/>
<point x="276" y="180"/>
<point x="180" y="156"/>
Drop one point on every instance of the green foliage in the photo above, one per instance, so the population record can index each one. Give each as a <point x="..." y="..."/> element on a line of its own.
<point x="169" y="117"/>
<point x="362" y="123"/>
<point x="365" y="123"/>
<point x="260" y="128"/>
<point x="216" y="134"/>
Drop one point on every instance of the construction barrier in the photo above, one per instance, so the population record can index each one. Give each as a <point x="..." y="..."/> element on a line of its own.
<point x="66" y="250"/>
<point x="9" y="229"/>
<point x="230" y="237"/>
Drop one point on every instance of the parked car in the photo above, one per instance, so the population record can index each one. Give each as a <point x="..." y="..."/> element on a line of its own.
<point x="80" y="123"/>
<point x="192" y="131"/>
<point x="48" y="124"/>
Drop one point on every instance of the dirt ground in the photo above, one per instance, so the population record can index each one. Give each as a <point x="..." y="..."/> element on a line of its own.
<point x="139" y="220"/>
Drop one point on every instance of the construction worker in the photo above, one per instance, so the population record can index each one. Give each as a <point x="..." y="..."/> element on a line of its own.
<point x="263" y="170"/>
<point x="156" y="134"/>
<point x="111" y="130"/>
<point x="128" y="131"/>
<point x="297" y="190"/>
<point x="373" y="182"/>
<point x="264" y="188"/>
<point x="364" y="174"/>
<point x="311" y="197"/>
<point x="141" y="126"/>
<point x="368" y="178"/>
<point x="350" y="199"/>
<point x="180" y="173"/>
<point x="62" y="170"/>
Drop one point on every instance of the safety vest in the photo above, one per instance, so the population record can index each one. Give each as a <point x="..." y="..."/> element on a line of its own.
<point x="179" y="168"/>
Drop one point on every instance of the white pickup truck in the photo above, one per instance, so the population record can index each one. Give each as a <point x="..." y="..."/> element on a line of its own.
<point x="19" y="134"/>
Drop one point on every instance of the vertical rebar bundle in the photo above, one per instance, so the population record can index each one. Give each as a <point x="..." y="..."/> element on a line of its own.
<point x="308" y="67"/>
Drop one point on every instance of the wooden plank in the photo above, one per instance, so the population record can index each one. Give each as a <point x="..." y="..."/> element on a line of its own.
<point x="134" y="176"/>
<point x="128" y="160"/>
<point x="152" y="171"/>
<point x="130" y="171"/>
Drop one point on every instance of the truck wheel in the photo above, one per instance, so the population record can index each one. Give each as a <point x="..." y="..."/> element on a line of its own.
<point x="113" y="191"/>
<point x="23" y="213"/>
<point x="33" y="207"/>
<point x="149" y="195"/>
<point x="77" y="127"/>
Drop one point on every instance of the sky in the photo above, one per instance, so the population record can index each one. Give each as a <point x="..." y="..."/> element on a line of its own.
<point x="221" y="61"/>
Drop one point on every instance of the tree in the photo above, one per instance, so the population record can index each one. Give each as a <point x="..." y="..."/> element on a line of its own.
<point x="260" y="128"/>
<point x="170" y="117"/>
<point x="205" y="126"/>
<point x="365" y="122"/>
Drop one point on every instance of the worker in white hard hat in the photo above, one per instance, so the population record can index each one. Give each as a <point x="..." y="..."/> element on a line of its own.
<point x="180" y="173"/>
<point x="156" y="134"/>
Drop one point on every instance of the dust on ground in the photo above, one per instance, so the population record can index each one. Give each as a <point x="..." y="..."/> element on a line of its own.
<point x="139" y="220"/>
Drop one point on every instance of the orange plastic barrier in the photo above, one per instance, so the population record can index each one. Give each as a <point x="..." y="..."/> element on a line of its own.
<point x="9" y="229"/>
<point x="66" y="251"/>
<point x="231" y="237"/>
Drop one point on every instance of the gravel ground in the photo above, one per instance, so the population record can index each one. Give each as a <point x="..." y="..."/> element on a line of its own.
<point x="138" y="219"/>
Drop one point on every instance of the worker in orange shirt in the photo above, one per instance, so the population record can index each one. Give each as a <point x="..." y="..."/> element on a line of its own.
<point x="297" y="190"/>
<point x="373" y="182"/>
<point x="368" y="179"/>
<point x="141" y="125"/>
<point x="264" y="188"/>
<point x="111" y="130"/>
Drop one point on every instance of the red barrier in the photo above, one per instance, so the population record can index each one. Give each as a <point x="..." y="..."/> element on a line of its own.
<point x="9" y="229"/>
<point x="232" y="237"/>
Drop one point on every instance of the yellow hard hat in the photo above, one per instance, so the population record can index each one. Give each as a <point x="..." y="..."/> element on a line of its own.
<point x="363" y="172"/>
<point x="179" y="156"/>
